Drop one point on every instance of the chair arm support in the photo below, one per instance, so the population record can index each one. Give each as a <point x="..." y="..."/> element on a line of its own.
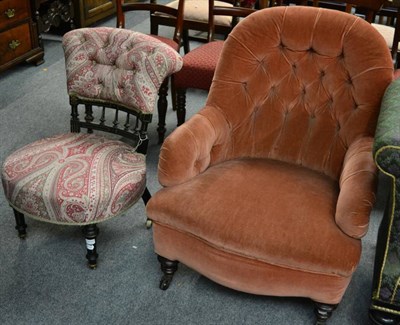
<point x="358" y="183"/>
<point x="193" y="146"/>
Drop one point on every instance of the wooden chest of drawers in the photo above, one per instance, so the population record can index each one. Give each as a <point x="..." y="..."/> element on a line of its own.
<point x="19" y="39"/>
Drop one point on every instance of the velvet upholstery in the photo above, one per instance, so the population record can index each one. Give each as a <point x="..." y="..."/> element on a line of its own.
<point x="269" y="187"/>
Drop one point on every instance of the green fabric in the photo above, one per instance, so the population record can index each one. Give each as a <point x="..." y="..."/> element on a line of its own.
<point x="386" y="293"/>
<point x="387" y="136"/>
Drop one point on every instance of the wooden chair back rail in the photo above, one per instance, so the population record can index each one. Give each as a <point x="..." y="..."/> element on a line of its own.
<point x="188" y="24"/>
<point x="234" y="12"/>
<point x="175" y="15"/>
<point x="151" y="7"/>
<point x="113" y="119"/>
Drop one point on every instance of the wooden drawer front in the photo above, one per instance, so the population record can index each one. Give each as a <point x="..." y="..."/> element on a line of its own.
<point x="12" y="11"/>
<point x="15" y="42"/>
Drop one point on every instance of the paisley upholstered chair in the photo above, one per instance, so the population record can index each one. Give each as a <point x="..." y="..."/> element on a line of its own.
<point x="269" y="187"/>
<point x="113" y="77"/>
<point x="176" y="15"/>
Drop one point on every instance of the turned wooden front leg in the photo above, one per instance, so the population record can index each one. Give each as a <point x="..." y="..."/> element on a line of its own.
<point x="169" y="268"/>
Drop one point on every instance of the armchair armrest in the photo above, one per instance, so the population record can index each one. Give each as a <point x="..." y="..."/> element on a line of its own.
<point x="193" y="146"/>
<point x="358" y="183"/>
<point x="386" y="153"/>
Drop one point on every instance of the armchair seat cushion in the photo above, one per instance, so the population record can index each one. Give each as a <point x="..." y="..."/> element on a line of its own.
<point x="261" y="199"/>
<point x="74" y="178"/>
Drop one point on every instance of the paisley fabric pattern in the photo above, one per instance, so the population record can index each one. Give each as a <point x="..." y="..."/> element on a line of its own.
<point x="118" y="65"/>
<point x="74" y="178"/>
<point x="386" y="293"/>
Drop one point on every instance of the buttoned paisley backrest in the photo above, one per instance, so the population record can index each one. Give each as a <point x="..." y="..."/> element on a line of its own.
<point x="300" y="84"/>
<point x="118" y="65"/>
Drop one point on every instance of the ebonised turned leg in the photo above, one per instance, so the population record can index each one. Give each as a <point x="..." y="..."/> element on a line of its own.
<point x="90" y="232"/>
<point x="323" y="312"/>
<point x="185" y="40"/>
<point x="173" y="93"/>
<point x="162" y="106"/>
<point x="146" y="197"/>
<point x="169" y="268"/>
<point x="181" y="106"/>
<point x="383" y="318"/>
<point x="20" y="224"/>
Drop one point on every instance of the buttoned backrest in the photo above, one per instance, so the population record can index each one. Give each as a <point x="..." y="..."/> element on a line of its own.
<point x="117" y="65"/>
<point x="300" y="84"/>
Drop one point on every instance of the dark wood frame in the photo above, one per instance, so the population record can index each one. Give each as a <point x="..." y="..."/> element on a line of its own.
<point x="156" y="20"/>
<point x="236" y="13"/>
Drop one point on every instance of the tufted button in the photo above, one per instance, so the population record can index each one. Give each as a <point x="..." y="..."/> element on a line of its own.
<point x="349" y="80"/>
<point x="286" y="111"/>
<point x="322" y="73"/>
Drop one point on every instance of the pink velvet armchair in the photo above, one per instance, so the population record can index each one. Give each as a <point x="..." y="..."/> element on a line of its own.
<point x="268" y="188"/>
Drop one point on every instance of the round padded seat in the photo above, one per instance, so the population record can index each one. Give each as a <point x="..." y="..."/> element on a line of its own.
<point x="74" y="178"/>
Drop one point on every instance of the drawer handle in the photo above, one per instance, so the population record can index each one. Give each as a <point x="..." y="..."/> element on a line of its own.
<point x="14" y="44"/>
<point x="10" y="13"/>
